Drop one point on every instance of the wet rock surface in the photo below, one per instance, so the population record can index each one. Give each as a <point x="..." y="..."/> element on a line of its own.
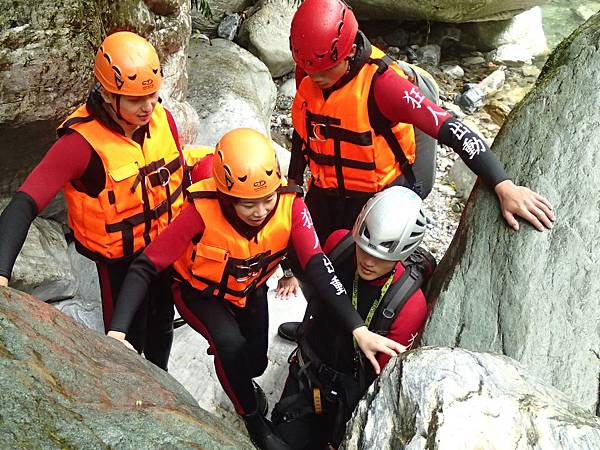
<point x="64" y="386"/>
<point x="530" y="295"/>
<point x="441" y="398"/>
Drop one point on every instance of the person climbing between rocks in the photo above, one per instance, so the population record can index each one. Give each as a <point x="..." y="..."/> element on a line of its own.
<point x="327" y="376"/>
<point x="354" y="116"/>
<point x="118" y="162"/>
<point x="224" y="246"/>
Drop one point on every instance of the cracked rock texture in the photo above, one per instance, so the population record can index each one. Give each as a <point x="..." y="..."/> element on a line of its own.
<point x="64" y="386"/>
<point x="443" y="398"/>
<point x="529" y="295"/>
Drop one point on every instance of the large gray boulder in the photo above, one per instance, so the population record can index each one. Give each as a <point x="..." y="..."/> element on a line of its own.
<point x="64" y="386"/>
<point x="455" y="11"/>
<point x="266" y="35"/>
<point x="442" y="398"/>
<point x="47" y="49"/>
<point x="229" y="88"/>
<point x="529" y="295"/>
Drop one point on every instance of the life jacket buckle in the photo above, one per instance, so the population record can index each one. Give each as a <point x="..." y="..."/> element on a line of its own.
<point x="248" y="268"/>
<point x="165" y="180"/>
<point x="158" y="176"/>
<point x="317" y="136"/>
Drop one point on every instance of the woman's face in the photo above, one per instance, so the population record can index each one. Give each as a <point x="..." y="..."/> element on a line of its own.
<point x="255" y="211"/>
<point x="136" y="110"/>
<point x="369" y="267"/>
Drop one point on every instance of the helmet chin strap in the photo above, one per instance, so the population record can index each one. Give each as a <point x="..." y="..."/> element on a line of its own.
<point x="118" y="110"/>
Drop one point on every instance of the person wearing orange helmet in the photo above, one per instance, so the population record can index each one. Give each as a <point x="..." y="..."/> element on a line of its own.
<point x="118" y="162"/>
<point x="354" y="116"/>
<point x="224" y="246"/>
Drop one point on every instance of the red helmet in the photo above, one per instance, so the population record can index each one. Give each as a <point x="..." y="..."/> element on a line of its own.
<point x="322" y="34"/>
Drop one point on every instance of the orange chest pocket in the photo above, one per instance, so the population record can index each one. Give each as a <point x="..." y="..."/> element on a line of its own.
<point x="124" y="191"/>
<point x="208" y="261"/>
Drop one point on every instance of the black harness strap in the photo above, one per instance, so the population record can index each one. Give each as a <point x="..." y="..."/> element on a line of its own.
<point x="291" y="189"/>
<point x="383" y="127"/>
<point x="73" y="121"/>
<point x="320" y="127"/>
<point x="126" y="225"/>
<point x="418" y="269"/>
<point x="233" y="268"/>
<point x="342" y="250"/>
<point x="202" y="194"/>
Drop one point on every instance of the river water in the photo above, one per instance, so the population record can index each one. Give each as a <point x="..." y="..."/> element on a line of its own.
<point x="561" y="17"/>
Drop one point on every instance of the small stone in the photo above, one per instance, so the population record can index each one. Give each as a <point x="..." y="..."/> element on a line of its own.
<point x="429" y="54"/>
<point x="228" y="27"/>
<point x="513" y="55"/>
<point x="393" y="51"/>
<point x="530" y="71"/>
<point x="457" y="207"/>
<point x="473" y="61"/>
<point x="454" y="71"/>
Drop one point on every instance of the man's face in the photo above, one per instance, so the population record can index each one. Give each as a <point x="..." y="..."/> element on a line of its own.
<point x="369" y="267"/>
<point x="327" y="78"/>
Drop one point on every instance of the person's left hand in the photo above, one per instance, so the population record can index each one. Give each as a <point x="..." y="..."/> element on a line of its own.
<point x="525" y="203"/>
<point x="371" y="343"/>
<point x="287" y="287"/>
<point x="119" y="336"/>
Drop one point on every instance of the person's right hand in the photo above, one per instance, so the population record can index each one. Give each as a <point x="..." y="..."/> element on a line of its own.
<point x="372" y="343"/>
<point x="3" y="281"/>
<point x="120" y="336"/>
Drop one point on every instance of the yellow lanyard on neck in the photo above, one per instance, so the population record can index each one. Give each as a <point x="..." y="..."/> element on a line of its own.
<point x="375" y="304"/>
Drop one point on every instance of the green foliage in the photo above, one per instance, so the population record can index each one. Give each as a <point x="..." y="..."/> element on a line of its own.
<point x="203" y="7"/>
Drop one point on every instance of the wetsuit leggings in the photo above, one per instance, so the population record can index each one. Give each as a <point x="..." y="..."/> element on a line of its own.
<point x="151" y="330"/>
<point x="238" y="338"/>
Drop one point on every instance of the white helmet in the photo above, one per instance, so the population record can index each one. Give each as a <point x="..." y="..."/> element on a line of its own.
<point x="391" y="225"/>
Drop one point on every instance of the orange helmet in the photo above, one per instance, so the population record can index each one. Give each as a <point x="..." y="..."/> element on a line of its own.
<point x="128" y="64"/>
<point x="245" y="164"/>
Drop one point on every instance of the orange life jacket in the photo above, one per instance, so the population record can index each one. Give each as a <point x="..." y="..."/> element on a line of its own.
<point x="142" y="192"/>
<point x="225" y="264"/>
<point x="347" y="149"/>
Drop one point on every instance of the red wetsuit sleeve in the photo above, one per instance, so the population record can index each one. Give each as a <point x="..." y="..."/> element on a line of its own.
<point x="174" y="240"/>
<point x="409" y="324"/>
<point x="319" y="270"/>
<point x="66" y="160"/>
<point x="304" y="238"/>
<point x="401" y="101"/>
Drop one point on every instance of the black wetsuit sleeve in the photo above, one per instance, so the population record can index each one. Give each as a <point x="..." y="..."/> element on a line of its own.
<point x="14" y="225"/>
<point x="133" y="292"/>
<point x="320" y="272"/>
<point x="297" y="160"/>
<point x="473" y="150"/>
